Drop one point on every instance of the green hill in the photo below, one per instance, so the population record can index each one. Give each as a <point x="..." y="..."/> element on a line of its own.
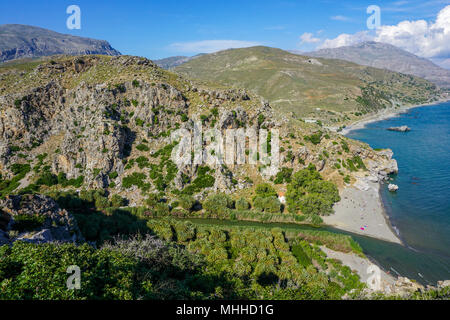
<point x="302" y="85"/>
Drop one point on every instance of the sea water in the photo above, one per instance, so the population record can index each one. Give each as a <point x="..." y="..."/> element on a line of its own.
<point x="420" y="209"/>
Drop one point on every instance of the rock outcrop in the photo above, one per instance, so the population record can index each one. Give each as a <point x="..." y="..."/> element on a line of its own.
<point x="36" y="219"/>
<point x="400" y="129"/>
<point x="393" y="187"/>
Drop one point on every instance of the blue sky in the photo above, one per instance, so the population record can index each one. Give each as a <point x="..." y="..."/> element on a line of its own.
<point x="157" y="29"/>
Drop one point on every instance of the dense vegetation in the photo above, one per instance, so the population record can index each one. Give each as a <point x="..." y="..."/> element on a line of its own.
<point x="193" y="262"/>
<point x="310" y="194"/>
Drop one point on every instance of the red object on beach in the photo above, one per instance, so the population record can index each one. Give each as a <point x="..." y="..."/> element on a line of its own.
<point x="362" y="229"/>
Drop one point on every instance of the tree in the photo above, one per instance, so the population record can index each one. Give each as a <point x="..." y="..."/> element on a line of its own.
<point x="269" y="204"/>
<point x="265" y="190"/>
<point x="242" y="204"/>
<point x="218" y="205"/>
<point x="310" y="194"/>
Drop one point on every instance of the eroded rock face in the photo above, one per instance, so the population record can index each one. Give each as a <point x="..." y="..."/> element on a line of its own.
<point x="51" y="223"/>
<point x="383" y="165"/>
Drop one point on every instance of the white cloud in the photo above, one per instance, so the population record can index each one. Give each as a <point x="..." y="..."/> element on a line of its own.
<point x="425" y="39"/>
<point x="308" y="37"/>
<point x="345" y="39"/>
<point x="420" y="37"/>
<point x="209" y="46"/>
<point x="340" y="18"/>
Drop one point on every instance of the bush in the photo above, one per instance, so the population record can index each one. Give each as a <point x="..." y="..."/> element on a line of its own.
<point x="265" y="190"/>
<point x="118" y="201"/>
<point x="242" y="204"/>
<point x="284" y="175"/>
<point x="204" y="180"/>
<point x="135" y="179"/>
<point x="309" y="194"/>
<point x="270" y="204"/>
<point x="47" y="179"/>
<point x="186" y="202"/>
<point x="143" y="147"/>
<point x="218" y="205"/>
<point x="315" y="138"/>
<point x="27" y="222"/>
<point x="113" y="175"/>
<point x="314" y="203"/>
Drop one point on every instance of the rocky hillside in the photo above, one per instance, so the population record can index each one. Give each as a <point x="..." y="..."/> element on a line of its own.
<point x="386" y="56"/>
<point x="36" y="219"/>
<point x="21" y="41"/>
<point x="331" y="90"/>
<point x="98" y="122"/>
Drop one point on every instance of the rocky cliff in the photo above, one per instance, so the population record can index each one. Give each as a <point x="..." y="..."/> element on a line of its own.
<point x="99" y="122"/>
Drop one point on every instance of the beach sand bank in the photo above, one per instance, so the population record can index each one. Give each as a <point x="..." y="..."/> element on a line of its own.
<point x="361" y="211"/>
<point x="360" y="265"/>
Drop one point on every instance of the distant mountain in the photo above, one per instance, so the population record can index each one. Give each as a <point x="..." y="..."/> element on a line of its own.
<point x="172" y="62"/>
<point x="305" y="85"/>
<point x="386" y="56"/>
<point x="22" y="41"/>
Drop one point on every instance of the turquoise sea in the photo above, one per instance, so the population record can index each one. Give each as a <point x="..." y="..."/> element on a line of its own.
<point x="420" y="210"/>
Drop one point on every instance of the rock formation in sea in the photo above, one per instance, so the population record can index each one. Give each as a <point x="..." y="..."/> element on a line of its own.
<point x="400" y="129"/>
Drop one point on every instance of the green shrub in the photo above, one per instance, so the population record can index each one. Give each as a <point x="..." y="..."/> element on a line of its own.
<point x="242" y="204"/>
<point x="284" y="175"/>
<point x="315" y="138"/>
<point x="118" y="201"/>
<point x="268" y="204"/>
<point x="218" y="205"/>
<point x="187" y="202"/>
<point x="265" y="190"/>
<point x="139" y="122"/>
<point x="28" y="222"/>
<point x="301" y="256"/>
<point x="47" y="179"/>
<point x="143" y="147"/>
<point x="309" y="194"/>
<point x="113" y="175"/>
<point x="135" y="179"/>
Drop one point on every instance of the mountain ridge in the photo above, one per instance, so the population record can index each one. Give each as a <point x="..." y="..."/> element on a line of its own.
<point x="172" y="62"/>
<point x="386" y="56"/>
<point x="311" y="87"/>
<point x="22" y="41"/>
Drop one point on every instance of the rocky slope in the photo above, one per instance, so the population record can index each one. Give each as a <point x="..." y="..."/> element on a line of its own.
<point x="36" y="219"/>
<point x="105" y="122"/>
<point x="386" y="56"/>
<point x="97" y="122"/>
<point x="333" y="91"/>
<point x="22" y="41"/>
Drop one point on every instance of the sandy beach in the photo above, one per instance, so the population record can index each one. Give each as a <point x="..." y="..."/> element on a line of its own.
<point x="360" y="265"/>
<point x="361" y="211"/>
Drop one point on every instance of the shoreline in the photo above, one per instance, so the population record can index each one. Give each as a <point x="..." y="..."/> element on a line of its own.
<point x="384" y="115"/>
<point x="361" y="209"/>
